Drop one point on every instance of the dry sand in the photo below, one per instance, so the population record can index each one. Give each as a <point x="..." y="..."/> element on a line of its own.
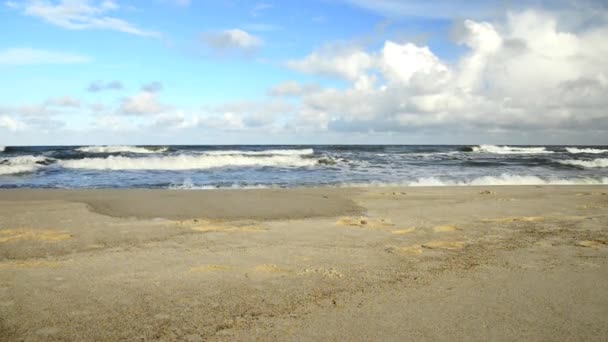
<point x="390" y="264"/>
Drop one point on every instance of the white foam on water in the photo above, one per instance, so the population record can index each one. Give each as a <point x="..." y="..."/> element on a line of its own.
<point x="504" y="179"/>
<point x="21" y="164"/>
<point x="187" y="184"/>
<point x="594" y="163"/>
<point x="510" y="149"/>
<point x="2" y="148"/>
<point x="186" y="162"/>
<point x="585" y="150"/>
<point x="288" y="152"/>
<point x="120" y="149"/>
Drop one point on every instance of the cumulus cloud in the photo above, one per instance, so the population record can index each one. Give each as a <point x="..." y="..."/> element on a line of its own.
<point x="29" y="56"/>
<point x="349" y="64"/>
<point x="97" y="86"/>
<point x="233" y="40"/>
<point x="80" y="15"/>
<point x="521" y="74"/>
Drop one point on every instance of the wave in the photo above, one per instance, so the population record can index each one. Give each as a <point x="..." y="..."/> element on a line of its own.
<point x="187" y="184"/>
<point x="504" y="179"/>
<point x="599" y="162"/>
<point x="288" y="152"/>
<point x="585" y="150"/>
<point x="186" y="162"/>
<point x="509" y="149"/>
<point x="121" y="149"/>
<point x="22" y="164"/>
<point x="2" y="148"/>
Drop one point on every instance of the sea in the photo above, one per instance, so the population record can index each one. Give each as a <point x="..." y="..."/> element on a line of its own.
<point x="287" y="166"/>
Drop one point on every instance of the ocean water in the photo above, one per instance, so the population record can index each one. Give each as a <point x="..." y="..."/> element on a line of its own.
<point x="204" y="167"/>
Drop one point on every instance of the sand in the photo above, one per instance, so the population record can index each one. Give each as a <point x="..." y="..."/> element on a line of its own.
<point x="391" y="264"/>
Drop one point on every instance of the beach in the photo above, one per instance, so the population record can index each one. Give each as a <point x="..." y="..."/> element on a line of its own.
<point x="328" y="263"/>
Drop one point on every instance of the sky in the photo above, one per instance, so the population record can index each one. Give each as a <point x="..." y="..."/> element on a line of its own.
<point x="83" y="72"/>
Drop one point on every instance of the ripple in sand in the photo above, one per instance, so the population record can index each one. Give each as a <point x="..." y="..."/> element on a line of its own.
<point x="451" y="245"/>
<point x="270" y="268"/>
<point x="29" y="264"/>
<point x="404" y="231"/>
<point x="408" y="250"/>
<point x="516" y="219"/>
<point x="211" y="268"/>
<point x="46" y="235"/>
<point x="445" y="228"/>
<point x="326" y="272"/>
<point x="591" y="243"/>
<point x="364" y="222"/>
<point x="228" y="229"/>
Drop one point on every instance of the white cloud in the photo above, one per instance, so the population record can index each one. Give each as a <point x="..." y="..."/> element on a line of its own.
<point x="523" y="74"/>
<point x="10" y="123"/>
<point x="29" y="56"/>
<point x="232" y="40"/>
<point x="293" y="88"/>
<point x="259" y="7"/>
<point x="143" y="103"/>
<point x="349" y="64"/>
<point x="80" y="15"/>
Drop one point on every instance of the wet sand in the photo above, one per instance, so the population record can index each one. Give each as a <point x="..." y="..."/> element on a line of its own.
<point x="394" y="264"/>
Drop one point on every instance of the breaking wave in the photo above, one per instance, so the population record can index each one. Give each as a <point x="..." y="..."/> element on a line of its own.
<point x="585" y="150"/>
<point x="2" y="148"/>
<point x="186" y="162"/>
<point x="121" y="149"/>
<point x="509" y="149"/>
<point x="292" y="152"/>
<point x="22" y="164"/>
<point x="599" y="162"/>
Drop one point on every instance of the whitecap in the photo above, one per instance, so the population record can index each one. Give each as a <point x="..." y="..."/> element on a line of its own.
<point x="286" y="152"/>
<point x="504" y="179"/>
<point x="585" y="150"/>
<point x="21" y="164"/>
<point x="510" y="149"/>
<point x="121" y="149"/>
<point x="186" y="162"/>
<point x="599" y="162"/>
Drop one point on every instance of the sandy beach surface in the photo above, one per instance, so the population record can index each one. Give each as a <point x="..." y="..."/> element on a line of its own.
<point x="386" y="264"/>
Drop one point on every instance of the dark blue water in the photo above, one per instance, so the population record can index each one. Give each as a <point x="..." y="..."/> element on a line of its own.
<point x="194" y="167"/>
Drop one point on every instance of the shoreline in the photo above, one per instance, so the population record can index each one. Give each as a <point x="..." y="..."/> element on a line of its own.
<point x="270" y="203"/>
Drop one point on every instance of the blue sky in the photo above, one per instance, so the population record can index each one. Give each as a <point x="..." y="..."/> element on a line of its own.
<point x="348" y="71"/>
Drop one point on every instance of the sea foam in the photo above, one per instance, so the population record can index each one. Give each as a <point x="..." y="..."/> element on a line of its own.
<point x="504" y="179"/>
<point x="585" y="150"/>
<point x="507" y="179"/>
<point x="287" y="152"/>
<point x="510" y="149"/>
<point x="21" y="164"/>
<point x="121" y="149"/>
<point x="599" y="162"/>
<point x="186" y="162"/>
